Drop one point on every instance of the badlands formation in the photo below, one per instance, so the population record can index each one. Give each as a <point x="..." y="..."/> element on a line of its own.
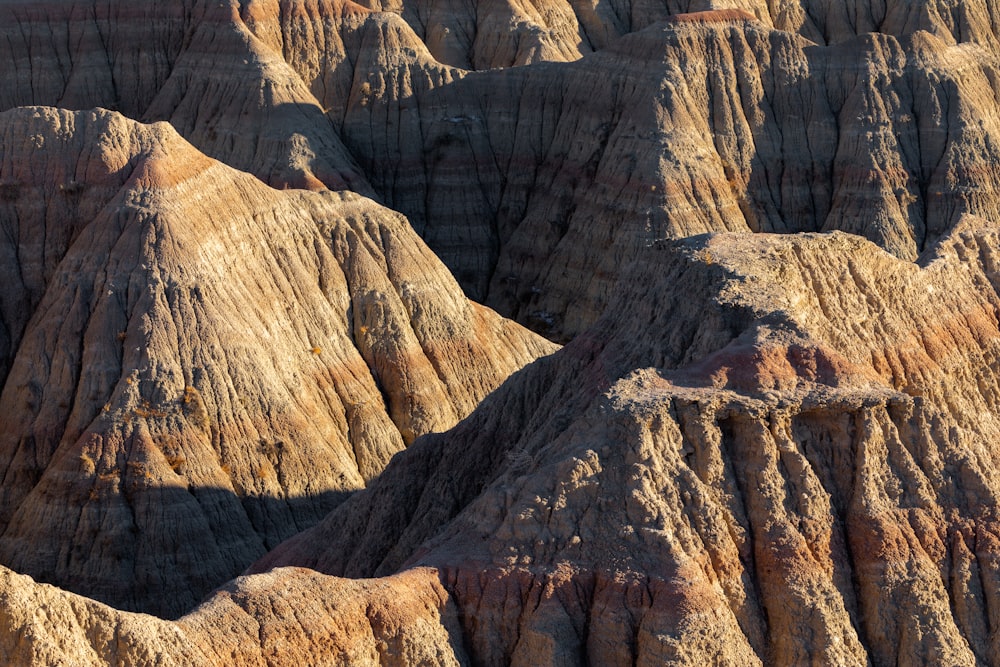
<point x="249" y="417"/>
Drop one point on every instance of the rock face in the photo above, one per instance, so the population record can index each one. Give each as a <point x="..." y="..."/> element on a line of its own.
<point x="756" y="485"/>
<point x="799" y="464"/>
<point x="533" y="184"/>
<point x="767" y="230"/>
<point x="310" y="619"/>
<point x="196" y="366"/>
<point x="535" y="195"/>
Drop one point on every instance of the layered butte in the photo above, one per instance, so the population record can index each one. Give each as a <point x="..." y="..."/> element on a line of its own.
<point x="765" y="231"/>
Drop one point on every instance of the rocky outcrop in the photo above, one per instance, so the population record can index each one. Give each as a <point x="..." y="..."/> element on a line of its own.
<point x="284" y="617"/>
<point x="194" y="64"/>
<point x="535" y="184"/>
<point x="756" y="449"/>
<point x="803" y="470"/>
<point x="196" y="366"/>
<point x="490" y="34"/>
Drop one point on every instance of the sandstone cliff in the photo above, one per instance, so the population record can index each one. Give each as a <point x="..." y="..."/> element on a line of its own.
<point x="195" y="366"/>
<point x="192" y="63"/>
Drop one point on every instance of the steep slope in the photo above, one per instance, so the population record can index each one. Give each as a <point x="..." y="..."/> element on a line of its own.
<point x="487" y="34"/>
<point x="196" y="366"/>
<point x="804" y="470"/>
<point x="192" y="63"/>
<point x="535" y="184"/>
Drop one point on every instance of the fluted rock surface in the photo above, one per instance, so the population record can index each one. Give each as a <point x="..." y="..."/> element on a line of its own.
<point x="195" y="366"/>
<point x="793" y="460"/>
<point x="535" y="184"/>
<point x="192" y="63"/>
<point x="756" y="449"/>
<point x="485" y="34"/>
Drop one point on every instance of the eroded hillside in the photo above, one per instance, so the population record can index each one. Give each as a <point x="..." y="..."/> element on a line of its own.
<point x="767" y="233"/>
<point x="196" y="366"/>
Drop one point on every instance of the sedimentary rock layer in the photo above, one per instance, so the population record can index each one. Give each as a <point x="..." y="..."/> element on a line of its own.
<point x="759" y="485"/>
<point x="802" y="469"/>
<point x="536" y="184"/>
<point x="285" y="617"/>
<point x="533" y="184"/>
<point x="196" y="366"/>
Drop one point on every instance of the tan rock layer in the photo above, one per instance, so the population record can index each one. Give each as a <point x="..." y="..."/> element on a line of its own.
<point x="192" y="63"/>
<point x="770" y="490"/>
<point x="284" y="617"/>
<point x="198" y="366"/>
<point x="536" y="185"/>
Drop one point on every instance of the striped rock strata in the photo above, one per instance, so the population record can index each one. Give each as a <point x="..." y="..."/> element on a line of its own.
<point x="805" y="469"/>
<point x="195" y="366"/>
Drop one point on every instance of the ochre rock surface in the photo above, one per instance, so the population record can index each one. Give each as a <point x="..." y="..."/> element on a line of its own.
<point x="285" y="617"/>
<point x="792" y="460"/>
<point x="755" y="448"/>
<point x="195" y="366"/>
<point x="194" y="64"/>
<point x="757" y="484"/>
<point x="534" y="184"/>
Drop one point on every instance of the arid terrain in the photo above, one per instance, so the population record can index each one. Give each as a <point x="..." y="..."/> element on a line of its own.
<point x="500" y="332"/>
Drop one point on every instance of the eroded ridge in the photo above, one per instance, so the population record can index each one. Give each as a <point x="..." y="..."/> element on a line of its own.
<point x="196" y="366"/>
<point x="807" y="462"/>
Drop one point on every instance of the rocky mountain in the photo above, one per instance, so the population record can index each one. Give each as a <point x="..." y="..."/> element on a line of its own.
<point x="533" y="184"/>
<point x="712" y="122"/>
<point x="196" y="366"/>
<point x="766" y="232"/>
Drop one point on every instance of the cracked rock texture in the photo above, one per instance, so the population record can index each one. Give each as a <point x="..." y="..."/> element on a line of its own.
<point x="195" y="366"/>
<point x="793" y="461"/>
<point x="767" y="230"/>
